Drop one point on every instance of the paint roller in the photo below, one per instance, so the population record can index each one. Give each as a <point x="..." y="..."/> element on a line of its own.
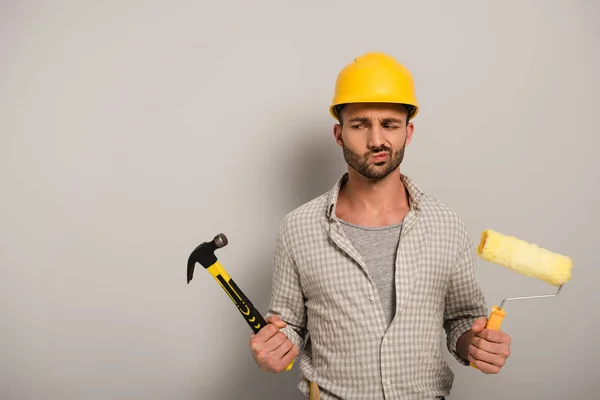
<point x="525" y="258"/>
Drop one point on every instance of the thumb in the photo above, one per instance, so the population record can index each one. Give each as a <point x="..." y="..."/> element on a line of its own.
<point x="478" y="325"/>
<point x="274" y="319"/>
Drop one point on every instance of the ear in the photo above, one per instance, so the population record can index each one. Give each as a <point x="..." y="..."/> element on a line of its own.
<point x="337" y="134"/>
<point x="409" y="132"/>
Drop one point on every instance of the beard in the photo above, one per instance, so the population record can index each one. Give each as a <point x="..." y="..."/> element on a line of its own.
<point x="377" y="170"/>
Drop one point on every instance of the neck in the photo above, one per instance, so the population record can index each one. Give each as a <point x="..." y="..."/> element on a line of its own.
<point x="374" y="197"/>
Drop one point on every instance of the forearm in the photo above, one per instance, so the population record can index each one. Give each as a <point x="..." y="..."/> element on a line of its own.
<point x="464" y="304"/>
<point x="287" y="297"/>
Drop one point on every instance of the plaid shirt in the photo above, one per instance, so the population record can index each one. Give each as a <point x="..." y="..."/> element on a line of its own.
<point x="322" y="289"/>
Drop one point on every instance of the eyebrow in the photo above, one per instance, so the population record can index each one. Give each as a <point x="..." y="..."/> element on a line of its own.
<point x="366" y="120"/>
<point x="391" y="120"/>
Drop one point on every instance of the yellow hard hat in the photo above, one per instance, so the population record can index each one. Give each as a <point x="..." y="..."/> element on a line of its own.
<point x="374" y="78"/>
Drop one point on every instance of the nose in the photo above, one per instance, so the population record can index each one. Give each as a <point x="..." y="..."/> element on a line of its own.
<point x="375" y="137"/>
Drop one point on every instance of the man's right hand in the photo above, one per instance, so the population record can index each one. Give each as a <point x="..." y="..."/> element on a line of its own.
<point x="271" y="348"/>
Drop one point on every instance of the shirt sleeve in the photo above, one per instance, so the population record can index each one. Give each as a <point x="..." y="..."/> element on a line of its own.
<point x="464" y="300"/>
<point x="287" y="299"/>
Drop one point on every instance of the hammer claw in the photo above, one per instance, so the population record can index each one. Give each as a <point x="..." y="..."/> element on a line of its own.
<point x="190" y="269"/>
<point x="205" y="254"/>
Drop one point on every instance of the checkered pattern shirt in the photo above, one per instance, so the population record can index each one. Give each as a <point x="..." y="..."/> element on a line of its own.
<point x="322" y="289"/>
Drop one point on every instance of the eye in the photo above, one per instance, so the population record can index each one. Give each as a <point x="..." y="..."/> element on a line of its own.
<point x="358" y="126"/>
<point x="390" y="127"/>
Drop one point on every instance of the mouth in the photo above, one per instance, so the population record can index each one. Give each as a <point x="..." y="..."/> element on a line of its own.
<point x="381" y="156"/>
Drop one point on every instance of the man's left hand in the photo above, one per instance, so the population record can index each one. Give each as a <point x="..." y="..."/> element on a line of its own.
<point x="488" y="349"/>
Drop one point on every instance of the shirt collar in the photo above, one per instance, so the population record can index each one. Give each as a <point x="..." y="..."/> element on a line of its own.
<point x="415" y="194"/>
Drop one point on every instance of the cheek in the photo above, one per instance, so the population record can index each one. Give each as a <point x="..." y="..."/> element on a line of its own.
<point x="354" y="142"/>
<point x="396" y="140"/>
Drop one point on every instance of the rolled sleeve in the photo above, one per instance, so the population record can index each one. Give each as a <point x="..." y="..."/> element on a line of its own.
<point x="287" y="299"/>
<point x="464" y="300"/>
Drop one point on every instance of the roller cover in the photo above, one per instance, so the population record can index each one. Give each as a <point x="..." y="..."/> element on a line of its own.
<point x="524" y="258"/>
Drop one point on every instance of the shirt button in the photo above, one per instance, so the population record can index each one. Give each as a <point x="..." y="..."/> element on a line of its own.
<point x="371" y="298"/>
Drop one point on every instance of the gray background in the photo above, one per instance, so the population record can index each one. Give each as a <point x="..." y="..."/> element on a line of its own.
<point x="133" y="131"/>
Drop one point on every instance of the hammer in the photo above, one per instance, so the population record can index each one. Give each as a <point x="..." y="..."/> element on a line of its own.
<point x="205" y="255"/>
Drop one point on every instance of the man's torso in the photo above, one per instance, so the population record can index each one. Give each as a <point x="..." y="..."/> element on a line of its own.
<point x="352" y="290"/>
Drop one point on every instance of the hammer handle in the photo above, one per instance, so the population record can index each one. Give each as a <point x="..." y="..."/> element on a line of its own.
<point x="243" y="304"/>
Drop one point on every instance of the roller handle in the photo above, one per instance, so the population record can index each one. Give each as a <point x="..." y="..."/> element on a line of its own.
<point x="494" y="321"/>
<point x="496" y="317"/>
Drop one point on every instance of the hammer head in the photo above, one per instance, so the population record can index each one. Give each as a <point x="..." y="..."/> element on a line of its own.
<point x="205" y="254"/>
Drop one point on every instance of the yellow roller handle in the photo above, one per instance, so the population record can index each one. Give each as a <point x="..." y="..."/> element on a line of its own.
<point x="494" y="321"/>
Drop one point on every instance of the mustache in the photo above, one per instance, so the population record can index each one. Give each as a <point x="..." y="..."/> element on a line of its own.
<point x="379" y="149"/>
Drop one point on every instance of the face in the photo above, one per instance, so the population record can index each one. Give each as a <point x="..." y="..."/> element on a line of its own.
<point x="373" y="138"/>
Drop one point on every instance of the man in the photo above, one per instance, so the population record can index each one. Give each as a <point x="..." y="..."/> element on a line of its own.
<point x="369" y="275"/>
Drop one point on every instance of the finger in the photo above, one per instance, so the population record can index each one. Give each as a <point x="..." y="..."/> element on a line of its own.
<point x="489" y="358"/>
<point x="483" y="366"/>
<point x="264" y="334"/>
<point x="278" y="364"/>
<point x="273" y="360"/>
<point x="263" y="352"/>
<point x="274" y="342"/>
<point x="290" y="356"/>
<point x="282" y="349"/>
<point x="494" y="336"/>
<point x="500" y="349"/>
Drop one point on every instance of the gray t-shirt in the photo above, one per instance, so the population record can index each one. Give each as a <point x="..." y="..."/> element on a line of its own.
<point x="378" y="247"/>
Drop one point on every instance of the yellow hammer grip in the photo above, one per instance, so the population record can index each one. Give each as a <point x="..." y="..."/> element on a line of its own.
<point x="246" y="308"/>
<point x="494" y="321"/>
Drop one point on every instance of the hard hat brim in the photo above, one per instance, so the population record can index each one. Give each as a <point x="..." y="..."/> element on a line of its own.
<point x="414" y="113"/>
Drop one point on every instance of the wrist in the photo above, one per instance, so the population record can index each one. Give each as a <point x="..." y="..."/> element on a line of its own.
<point x="463" y="343"/>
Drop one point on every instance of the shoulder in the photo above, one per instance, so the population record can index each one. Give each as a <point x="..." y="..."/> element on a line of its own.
<point x="444" y="219"/>
<point x="440" y="211"/>
<point x="433" y="210"/>
<point x="305" y="216"/>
